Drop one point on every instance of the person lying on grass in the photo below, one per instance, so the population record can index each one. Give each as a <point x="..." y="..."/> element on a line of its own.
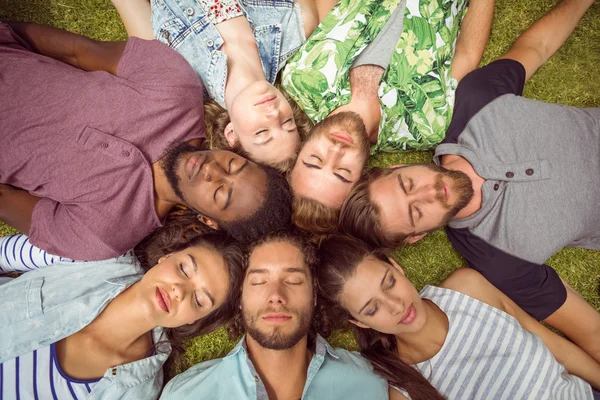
<point x="281" y="356"/>
<point x="514" y="182"/>
<point x="106" y="329"/>
<point x="465" y="337"/>
<point x="237" y="47"/>
<point x="104" y="149"/>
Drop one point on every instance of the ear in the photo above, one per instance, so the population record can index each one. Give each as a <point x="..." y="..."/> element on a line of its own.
<point x="415" y="238"/>
<point x="163" y="258"/>
<point x="230" y="135"/>
<point x="208" y="222"/>
<point x="395" y="264"/>
<point x="359" y="324"/>
<point x="396" y="166"/>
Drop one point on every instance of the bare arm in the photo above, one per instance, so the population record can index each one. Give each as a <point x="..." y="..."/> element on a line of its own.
<point x="136" y="16"/>
<point x="16" y="207"/>
<point x="542" y="39"/>
<point x="76" y="50"/>
<point x="473" y="37"/>
<point x="395" y="394"/>
<point x="575" y="360"/>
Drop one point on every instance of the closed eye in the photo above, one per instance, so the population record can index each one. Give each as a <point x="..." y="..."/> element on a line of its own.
<point x="373" y="311"/>
<point x="183" y="270"/>
<point x="392" y="283"/>
<point x="197" y="301"/>
<point x="260" y="131"/>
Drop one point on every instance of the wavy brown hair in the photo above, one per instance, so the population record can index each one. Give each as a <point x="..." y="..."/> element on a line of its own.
<point x="177" y="238"/>
<point x="360" y="216"/>
<point x="216" y="119"/>
<point x="340" y="256"/>
<point x="298" y="239"/>
<point x="313" y="216"/>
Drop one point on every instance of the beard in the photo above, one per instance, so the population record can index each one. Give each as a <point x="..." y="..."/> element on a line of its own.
<point x="276" y="339"/>
<point x="170" y="164"/>
<point x="349" y="122"/>
<point x="461" y="185"/>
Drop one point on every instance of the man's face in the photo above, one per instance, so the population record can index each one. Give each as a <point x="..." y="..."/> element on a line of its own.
<point x="219" y="184"/>
<point x="419" y="198"/>
<point x="331" y="160"/>
<point x="263" y="123"/>
<point x="277" y="296"/>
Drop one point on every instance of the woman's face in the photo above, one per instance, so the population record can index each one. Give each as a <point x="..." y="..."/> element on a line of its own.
<point x="380" y="297"/>
<point x="184" y="287"/>
<point x="262" y="122"/>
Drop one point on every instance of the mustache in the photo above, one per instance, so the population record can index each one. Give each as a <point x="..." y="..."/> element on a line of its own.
<point x="279" y="309"/>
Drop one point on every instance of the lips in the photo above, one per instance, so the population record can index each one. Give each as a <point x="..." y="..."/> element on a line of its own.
<point x="342" y="137"/>
<point x="277" y="317"/>
<point x="267" y="100"/>
<point x="410" y="315"/>
<point x="446" y="192"/>
<point x="163" y="300"/>
<point x="194" y="165"/>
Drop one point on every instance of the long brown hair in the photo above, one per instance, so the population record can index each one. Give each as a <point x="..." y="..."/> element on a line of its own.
<point x="177" y="238"/>
<point x="216" y="119"/>
<point x="339" y="257"/>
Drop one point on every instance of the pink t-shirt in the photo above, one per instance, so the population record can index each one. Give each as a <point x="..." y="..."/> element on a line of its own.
<point x="85" y="141"/>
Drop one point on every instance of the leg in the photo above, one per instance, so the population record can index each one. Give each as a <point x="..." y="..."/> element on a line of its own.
<point x="579" y="321"/>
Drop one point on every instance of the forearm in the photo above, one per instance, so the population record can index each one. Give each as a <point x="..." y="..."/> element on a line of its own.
<point x="542" y="39"/>
<point x="136" y="16"/>
<point x="17" y="254"/>
<point x="473" y="37"/>
<point x="16" y="207"/>
<point x="70" y="48"/>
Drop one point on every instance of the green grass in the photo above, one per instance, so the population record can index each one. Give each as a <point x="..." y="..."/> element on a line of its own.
<point x="570" y="77"/>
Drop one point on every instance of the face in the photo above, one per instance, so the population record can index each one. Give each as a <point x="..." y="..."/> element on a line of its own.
<point x="420" y="198"/>
<point x="380" y="297"/>
<point x="219" y="184"/>
<point x="331" y="160"/>
<point x="263" y="123"/>
<point x="277" y="296"/>
<point x="184" y="287"/>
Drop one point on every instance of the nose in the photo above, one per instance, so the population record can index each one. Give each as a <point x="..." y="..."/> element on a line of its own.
<point x="212" y="171"/>
<point x="425" y="194"/>
<point x="178" y="290"/>
<point x="335" y="152"/>
<point x="277" y="295"/>
<point x="395" y="306"/>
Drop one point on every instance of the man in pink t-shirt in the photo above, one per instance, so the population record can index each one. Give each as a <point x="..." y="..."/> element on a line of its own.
<point x="103" y="148"/>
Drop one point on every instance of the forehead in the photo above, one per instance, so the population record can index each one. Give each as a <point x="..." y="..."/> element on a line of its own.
<point x="391" y="201"/>
<point x="364" y="283"/>
<point x="249" y="191"/>
<point x="319" y="184"/>
<point x="277" y="256"/>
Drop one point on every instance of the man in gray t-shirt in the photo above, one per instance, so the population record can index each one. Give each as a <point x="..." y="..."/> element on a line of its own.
<point x="509" y="190"/>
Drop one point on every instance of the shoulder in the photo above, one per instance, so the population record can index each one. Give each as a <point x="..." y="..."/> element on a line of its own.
<point x="471" y="283"/>
<point x="195" y="381"/>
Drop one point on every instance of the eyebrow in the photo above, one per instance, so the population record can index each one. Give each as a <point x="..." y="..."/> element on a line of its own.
<point x="230" y="191"/>
<point x="412" y="221"/>
<point x="193" y="263"/>
<point x="381" y="284"/>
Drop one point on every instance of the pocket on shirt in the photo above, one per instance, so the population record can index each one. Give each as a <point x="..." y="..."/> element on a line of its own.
<point x="166" y="26"/>
<point x="20" y="300"/>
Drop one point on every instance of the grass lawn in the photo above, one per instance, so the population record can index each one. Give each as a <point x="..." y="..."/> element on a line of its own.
<point x="570" y="77"/>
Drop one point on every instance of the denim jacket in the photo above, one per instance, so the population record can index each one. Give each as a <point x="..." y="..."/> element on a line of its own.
<point x="277" y="26"/>
<point x="332" y="374"/>
<point x="46" y="305"/>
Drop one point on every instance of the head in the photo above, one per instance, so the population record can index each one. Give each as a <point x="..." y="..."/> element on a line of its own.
<point x="229" y="192"/>
<point x="278" y="292"/>
<point x="263" y="122"/>
<point x="328" y="166"/>
<point x="193" y="289"/>
<point x="390" y="207"/>
<point x="371" y="292"/>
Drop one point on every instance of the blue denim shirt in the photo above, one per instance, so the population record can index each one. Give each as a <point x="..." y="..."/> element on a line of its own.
<point x="332" y="374"/>
<point x="46" y="305"/>
<point x="277" y="26"/>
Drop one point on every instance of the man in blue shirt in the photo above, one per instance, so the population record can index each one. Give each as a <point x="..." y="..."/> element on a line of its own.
<point x="280" y="356"/>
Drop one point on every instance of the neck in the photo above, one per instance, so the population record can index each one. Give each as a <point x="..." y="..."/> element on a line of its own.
<point x="120" y="325"/>
<point x="459" y="163"/>
<point x="164" y="197"/>
<point x="283" y="372"/>
<point x="244" y="69"/>
<point x="419" y="346"/>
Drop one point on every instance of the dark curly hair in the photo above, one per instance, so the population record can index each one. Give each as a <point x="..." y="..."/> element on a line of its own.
<point x="274" y="213"/>
<point x="149" y="253"/>
<point x="340" y="256"/>
<point x="301" y="242"/>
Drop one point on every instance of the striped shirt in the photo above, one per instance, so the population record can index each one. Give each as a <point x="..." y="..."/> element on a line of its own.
<point x="17" y="254"/>
<point x="488" y="355"/>
<point x="38" y="375"/>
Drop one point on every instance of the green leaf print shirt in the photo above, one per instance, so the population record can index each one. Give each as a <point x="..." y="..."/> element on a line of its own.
<point x="416" y="92"/>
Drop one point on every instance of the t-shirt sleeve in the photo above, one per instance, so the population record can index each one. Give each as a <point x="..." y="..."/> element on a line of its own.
<point x="479" y="88"/>
<point x="152" y="63"/>
<point x="63" y="230"/>
<point x="536" y="288"/>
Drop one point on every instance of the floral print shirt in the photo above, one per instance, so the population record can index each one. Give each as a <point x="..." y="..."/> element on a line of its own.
<point x="416" y="92"/>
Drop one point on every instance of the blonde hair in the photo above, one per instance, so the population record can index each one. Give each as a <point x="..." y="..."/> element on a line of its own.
<point x="311" y="215"/>
<point x="216" y="119"/>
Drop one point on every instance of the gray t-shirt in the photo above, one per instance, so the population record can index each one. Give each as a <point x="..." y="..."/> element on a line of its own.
<point x="541" y="163"/>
